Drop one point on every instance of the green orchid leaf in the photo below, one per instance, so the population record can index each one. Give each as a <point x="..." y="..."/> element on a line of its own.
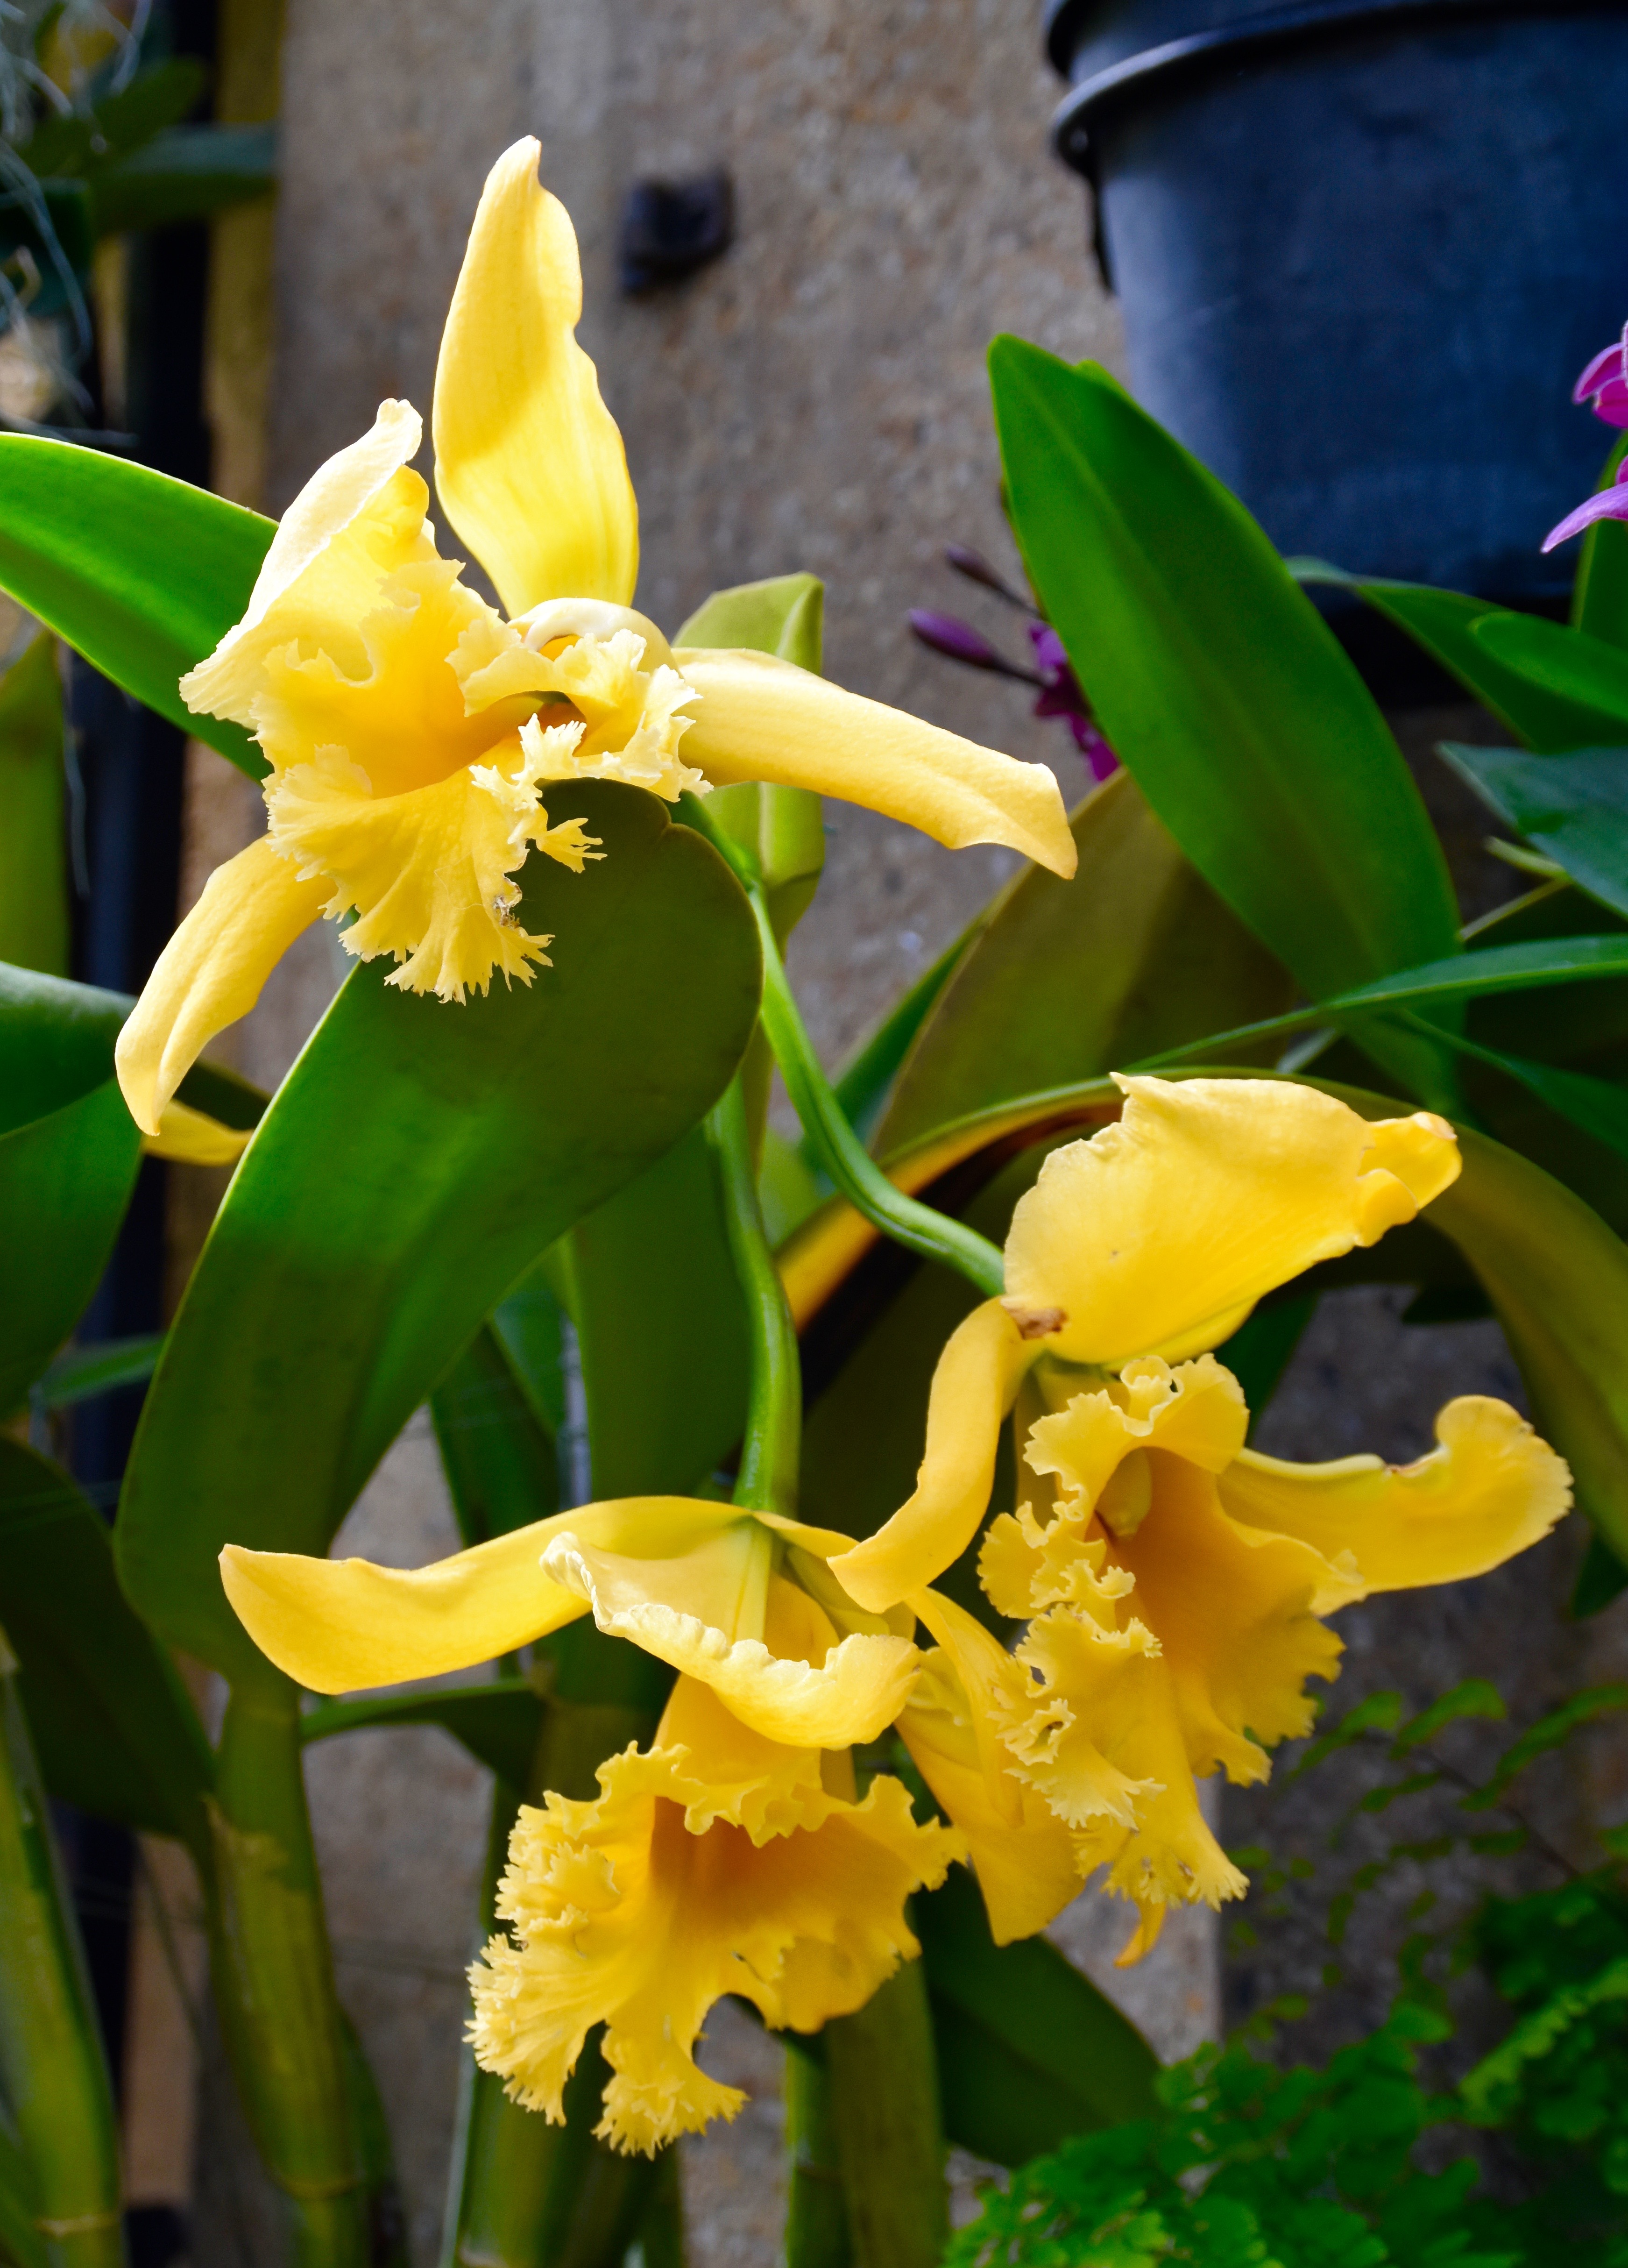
<point x="1586" y="671"/>
<point x="1029" y="2051"/>
<point x="416" y="1161"/>
<point x="1227" y="697"/>
<point x="501" y="1464"/>
<point x="1064" y="981"/>
<point x="34" y="828"/>
<point x="1599" y="1107"/>
<point x="115" y="1729"/>
<point x="1557" y="1279"/>
<point x="1444" y="623"/>
<point x="498" y="1723"/>
<point x="69" y="1154"/>
<point x="647" y="1278"/>
<point x="80" y="1374"/>
<point x="530" y="1326"/>
<point x="186" y="172"/>
<point x="142" y="574"/>
<point x="660" y="1329"/>
<point x="1573" y="807"/>
<point x="864" y="1086"/>
<point x="1499" y="969"/>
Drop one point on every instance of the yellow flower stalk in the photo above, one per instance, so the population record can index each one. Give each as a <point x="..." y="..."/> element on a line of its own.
<point x="1173" y="1582"/>
<point x="419" y="739"/>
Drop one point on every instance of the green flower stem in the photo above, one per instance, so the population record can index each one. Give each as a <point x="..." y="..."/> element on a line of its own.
<point x="816" y="2213"/>
<point x="767" y="1480"/>
<point x="273" y="1979"/>
<point x="53" y="2071"/>
<point x="838" y="1150"/>
<point x="881" y="2071"/>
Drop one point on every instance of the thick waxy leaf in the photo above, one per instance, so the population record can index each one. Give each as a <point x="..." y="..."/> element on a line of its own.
<point x="33" y="833"/>
<point x="660" y="1329"/>
<point x="1499" y="968"/>
<point x="418" y="1159"/>
<point x="1067" y="980"/>
<point x="1586" y="671"/>
<point x="142" y="574"/>
<point x="69" y="1151"/>
<point x="1581" y="1028"/>
<point x="79" y="1374"/>
<point x="1573" y="807"/>
<point x="1444" y="623"/>
<point x="1557" y="1279"/>
<point x="498" y="1723"/>
<point x="1246" y="727"/>
<point x="647" y="1278"/>
<point x="500" y="1462"/>
<point x="1029" y="2051"/>
<point x="115" y="1729"/>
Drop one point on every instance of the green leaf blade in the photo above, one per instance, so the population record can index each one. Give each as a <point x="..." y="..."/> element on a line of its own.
<point x="142" y="574"/>
<point x="418" y="1159"/>
<point x="1246" y="726"/>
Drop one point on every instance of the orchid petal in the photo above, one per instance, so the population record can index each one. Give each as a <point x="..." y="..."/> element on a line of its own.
<point x="973" y="1386"/>
<point x="1490" y="1488"/>
<point x="336" y="1626"/>
<point x="1159" y="1235"/>
<point x="530" y="467"/>
<point x="1609" y="503"/>
<point x="211" y="973"/>
<point x="761" y="718"/>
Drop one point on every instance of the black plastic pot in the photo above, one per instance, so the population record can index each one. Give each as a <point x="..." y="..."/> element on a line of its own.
<point x="1363" y="248"/>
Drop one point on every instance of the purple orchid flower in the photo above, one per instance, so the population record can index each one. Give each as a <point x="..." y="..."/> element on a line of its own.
<point x="1059" y="689"/>
<point x="1604" y="383"/>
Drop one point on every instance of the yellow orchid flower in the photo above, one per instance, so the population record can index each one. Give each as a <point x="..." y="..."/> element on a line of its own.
<point x="1174" y="1583"/>
<point x="717" y="1862"/>
<point x="733" y="1857"/>
<point x="415" y="734"/>
<point x="742" y="1601"/>
<point x="1175" y="1599"/>
<point x="1156" y="1236"/>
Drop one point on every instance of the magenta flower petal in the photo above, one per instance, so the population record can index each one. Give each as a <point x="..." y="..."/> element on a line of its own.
<point x="1610" y="504"/>
<point x="1606" y="364"/>
<point x="1611" y="404"/>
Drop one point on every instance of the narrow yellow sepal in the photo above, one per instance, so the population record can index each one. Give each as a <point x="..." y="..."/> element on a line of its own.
<point x="529" y="464"/>
<point x="211" y="973"/>
<point x="190" y="1137"/>
<point x="973" y="1388"/>
<point x="761" y="718"/>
